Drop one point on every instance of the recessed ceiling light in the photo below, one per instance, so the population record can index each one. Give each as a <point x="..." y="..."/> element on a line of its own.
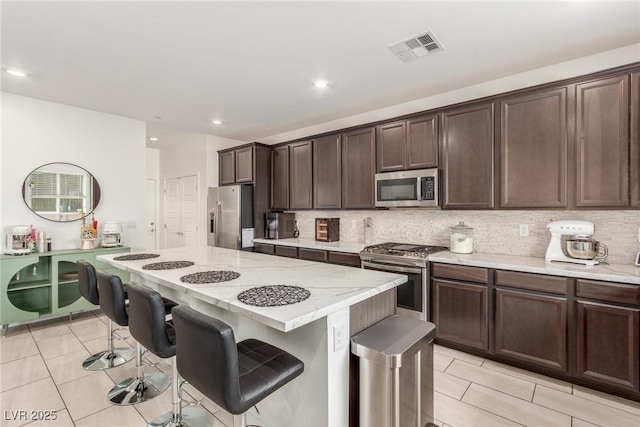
<point x="216" y="122"/>
<point x="16" y="72"/>
<point x="320" y="84"/>
<point x="153" y="138"/>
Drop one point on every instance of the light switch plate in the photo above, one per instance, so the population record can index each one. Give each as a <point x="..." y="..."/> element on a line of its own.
<point x="638" y="259"/>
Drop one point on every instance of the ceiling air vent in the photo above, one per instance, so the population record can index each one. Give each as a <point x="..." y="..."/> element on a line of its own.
<point x="416" y="47"/>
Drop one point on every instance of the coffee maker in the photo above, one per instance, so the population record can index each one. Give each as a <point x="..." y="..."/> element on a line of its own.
<point x="279" y="225"/>
<point x="582" y="232"/>
<point x="16" y="239"/>
<point x="111" y="235"/>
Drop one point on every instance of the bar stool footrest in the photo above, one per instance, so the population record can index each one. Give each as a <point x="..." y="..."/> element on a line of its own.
<point x="107" y="359"/>
<point x="135" y="390"/>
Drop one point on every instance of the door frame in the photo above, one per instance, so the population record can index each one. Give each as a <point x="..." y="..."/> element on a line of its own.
<point x="156" y="210"/>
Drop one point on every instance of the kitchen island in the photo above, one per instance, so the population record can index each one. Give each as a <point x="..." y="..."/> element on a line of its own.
<point x="315" y="330"/>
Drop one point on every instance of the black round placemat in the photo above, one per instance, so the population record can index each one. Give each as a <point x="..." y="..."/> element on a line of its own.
<point x="135" y="257"/>
<point x="167" y="265"/>
<point x="273" y="295"/>
<point x="214" y="276"/>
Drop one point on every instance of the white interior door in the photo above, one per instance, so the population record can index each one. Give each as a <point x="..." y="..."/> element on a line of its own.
<point x="181" y="209"/>
<point x="189" y="210"/>
<point x="152" y="219"/>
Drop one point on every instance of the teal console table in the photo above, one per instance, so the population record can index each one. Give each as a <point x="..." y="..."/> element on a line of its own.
<point x="46" y="284"/>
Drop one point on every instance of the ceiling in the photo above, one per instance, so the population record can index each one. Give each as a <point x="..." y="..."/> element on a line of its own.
<point x="251" y="64"/>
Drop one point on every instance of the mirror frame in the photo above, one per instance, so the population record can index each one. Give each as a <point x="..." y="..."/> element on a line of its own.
<point x="94" y="189"/>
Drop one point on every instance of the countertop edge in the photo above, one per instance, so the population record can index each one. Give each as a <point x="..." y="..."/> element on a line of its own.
<point x="620" y="273"/>
<point x="346" y="247"/>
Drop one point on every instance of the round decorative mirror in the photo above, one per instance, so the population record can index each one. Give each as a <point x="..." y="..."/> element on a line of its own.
<point x="61" y="192"/>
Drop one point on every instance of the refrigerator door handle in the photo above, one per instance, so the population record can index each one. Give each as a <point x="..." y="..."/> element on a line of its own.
<point x="217" y="223"/>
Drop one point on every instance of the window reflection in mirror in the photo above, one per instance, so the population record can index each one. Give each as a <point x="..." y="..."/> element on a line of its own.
<point x="61" y="192"/>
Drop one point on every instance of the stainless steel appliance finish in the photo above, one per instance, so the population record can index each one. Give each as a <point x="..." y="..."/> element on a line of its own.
<point x="230" y="217"/>
<point x="396" y="372"/>
<point x="412" y="298"/>
<point x="586" y="248"/>
<point x="405" y="189"/>
<point x="279" y="225"/>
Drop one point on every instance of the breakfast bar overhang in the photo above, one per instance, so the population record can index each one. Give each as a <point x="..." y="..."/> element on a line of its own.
<point x="316" y="330"/>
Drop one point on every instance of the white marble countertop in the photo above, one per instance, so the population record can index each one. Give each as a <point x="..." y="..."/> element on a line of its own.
<point x="332" y="287"/>
<point x="349" y="247"/>
<point x="606" y="272"/>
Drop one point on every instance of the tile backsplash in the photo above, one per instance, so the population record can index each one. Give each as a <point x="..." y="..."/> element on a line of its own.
<point x="495" y="232"/>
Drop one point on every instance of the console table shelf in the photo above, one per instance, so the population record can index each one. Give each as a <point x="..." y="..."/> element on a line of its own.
<point x="46" y="284"/>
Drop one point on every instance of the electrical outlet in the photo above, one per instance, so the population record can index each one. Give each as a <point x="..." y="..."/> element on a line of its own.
<point x="353" y="223"/>
<point x="131" y="224"/>
<point x="339" y="336"/>
<point x="524" y="230"/>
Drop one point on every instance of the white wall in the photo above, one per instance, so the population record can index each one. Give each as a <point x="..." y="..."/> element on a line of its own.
<point x="111" y="148"/>
<point x="196" y="154"/>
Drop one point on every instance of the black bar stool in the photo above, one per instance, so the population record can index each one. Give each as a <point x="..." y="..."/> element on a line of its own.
<point x="235" y="376"/>
<point x="88" y="288"/>
<point x="149" y="327"/>
<point x="144" y="386"/>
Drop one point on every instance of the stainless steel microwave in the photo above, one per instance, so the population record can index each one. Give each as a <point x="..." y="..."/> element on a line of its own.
<point x="407" y="189"/>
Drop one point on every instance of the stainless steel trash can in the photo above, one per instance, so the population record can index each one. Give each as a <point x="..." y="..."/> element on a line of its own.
<point x="396" y="372"/>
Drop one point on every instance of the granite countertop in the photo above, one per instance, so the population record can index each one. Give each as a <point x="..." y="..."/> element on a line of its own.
<point x="332" y="287"/>
<point x="349" y="247"/>
<point x="621" y="273"/>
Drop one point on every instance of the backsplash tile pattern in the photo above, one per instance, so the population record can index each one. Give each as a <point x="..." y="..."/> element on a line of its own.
<point x="494" y="232"/>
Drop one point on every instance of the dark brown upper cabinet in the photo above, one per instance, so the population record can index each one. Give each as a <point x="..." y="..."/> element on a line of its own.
<point x="358" y="168"/>
<point x="244" y="165"/>
<point x="237" y="166"/>
<point x="227" y="168"/>
<point x="533" y="150"/>
<point x="392" y="147"/>
<point x="410" y="144"/>
<point x="300" y="175"/>
<point x="327" y="168"/>
<point x="602" y="144"/>
<point x="635" y="140"/>
<point x="280" y="178"/>
<point x="467" y="157"/>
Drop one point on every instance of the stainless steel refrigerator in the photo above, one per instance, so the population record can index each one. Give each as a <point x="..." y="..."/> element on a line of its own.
<point x="230" y="217"/>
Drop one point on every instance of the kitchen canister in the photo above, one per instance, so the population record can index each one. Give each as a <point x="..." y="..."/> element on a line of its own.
<point x="461" y="239"/>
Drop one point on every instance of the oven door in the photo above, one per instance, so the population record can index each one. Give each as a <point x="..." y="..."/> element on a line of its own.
<point x="411" y="297"/>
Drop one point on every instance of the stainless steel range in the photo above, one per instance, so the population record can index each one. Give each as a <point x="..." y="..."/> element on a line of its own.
<point x="405" y="258"/>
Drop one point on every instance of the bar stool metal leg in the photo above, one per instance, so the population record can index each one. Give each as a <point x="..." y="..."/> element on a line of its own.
<point x="190" y="416"/>
<point x="141" y="388"/>
<point x="111" y="357"/>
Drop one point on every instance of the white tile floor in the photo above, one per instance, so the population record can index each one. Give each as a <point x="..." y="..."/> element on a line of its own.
<point x="41" y="370"/>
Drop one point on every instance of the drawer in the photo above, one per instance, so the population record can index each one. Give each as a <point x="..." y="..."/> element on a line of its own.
<point x="460" y="272"/>
<point x="312" y="254"/>
<point x="264" y="248"/>
<point x="534" y="282"/>
<point x="288" y="251"/>
<point x="344" y="259"/>
<point x="608" y="291"/>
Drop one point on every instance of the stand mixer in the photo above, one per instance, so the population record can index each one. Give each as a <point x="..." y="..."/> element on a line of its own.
<point x="568" y="228"/>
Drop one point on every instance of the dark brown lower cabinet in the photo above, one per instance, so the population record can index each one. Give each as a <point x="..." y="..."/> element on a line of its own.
<point x="579" y="330"/>
<point x="288" y="251"/>
<point x="531" y="328"/>
<point x="460" y="313"/>
<point x="264" y="248"/>
<point x="608" y="344"/>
